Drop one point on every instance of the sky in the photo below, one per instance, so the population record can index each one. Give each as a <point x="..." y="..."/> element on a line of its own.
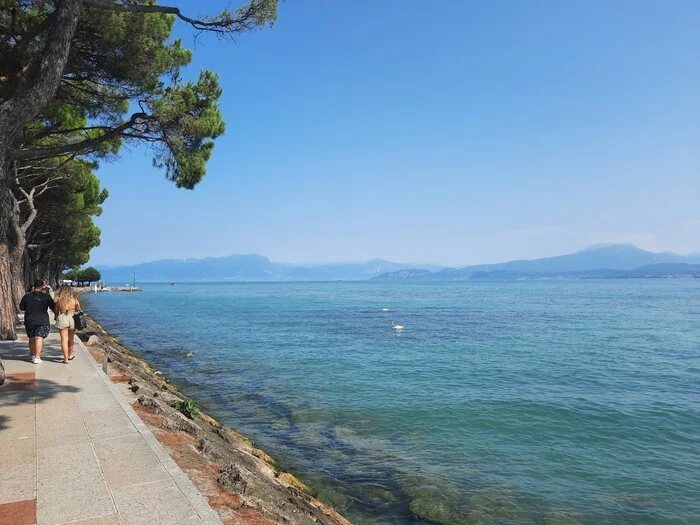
<point x="452" y="132"/>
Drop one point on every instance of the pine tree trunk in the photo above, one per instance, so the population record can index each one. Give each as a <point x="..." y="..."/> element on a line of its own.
<point x="27" y="101"/>
<point x="17" y="267"/>
<point x="26" y="269"/>
<point x="8" y="312"/>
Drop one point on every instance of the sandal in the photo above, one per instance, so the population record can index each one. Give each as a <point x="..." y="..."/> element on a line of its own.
<point x="71" y="357"/>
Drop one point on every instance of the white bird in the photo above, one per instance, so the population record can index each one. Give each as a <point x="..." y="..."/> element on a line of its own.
<point x="397" y="327"/>
<point x="385" y="309"/>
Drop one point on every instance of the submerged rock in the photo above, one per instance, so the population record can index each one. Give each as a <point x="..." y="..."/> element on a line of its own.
<point x="433" y="506"/>
<point x="492" y="505"/>
<point x="559" y="518"/>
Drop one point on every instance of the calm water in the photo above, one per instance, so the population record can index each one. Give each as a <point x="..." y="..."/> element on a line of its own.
<point x="545" y="403"/>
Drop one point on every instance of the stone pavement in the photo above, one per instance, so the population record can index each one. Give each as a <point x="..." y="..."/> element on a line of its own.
<point x="72" y="450"/>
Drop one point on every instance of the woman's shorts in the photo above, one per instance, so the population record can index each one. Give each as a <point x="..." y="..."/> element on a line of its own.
<point x="39" y="330"/>
<point x="65" y="321"/>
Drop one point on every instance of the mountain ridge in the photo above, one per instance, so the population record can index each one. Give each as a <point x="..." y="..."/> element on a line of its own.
<point x="257" y="267"/>
<point x="246" y="267"/>
<point x="591" y="261"/>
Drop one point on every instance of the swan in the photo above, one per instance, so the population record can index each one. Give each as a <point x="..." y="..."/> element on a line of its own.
<point x="397" y="327"/>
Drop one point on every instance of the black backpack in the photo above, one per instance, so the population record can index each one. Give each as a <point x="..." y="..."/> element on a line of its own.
<point x="80" y="320"/>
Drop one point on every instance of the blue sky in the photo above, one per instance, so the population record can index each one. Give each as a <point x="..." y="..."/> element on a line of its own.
<point x="451" y="132"/>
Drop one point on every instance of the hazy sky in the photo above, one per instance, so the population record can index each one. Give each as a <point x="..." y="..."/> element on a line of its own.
<point x="452" y="132"/>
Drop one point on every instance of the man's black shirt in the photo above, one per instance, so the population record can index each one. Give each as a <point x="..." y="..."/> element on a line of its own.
<point x="35" y="306"/>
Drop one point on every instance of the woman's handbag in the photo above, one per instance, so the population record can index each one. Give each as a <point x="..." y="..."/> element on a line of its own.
<point x="80" y="320"/>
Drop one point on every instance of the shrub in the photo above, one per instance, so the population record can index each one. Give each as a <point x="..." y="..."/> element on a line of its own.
<point x="188" y="407"/>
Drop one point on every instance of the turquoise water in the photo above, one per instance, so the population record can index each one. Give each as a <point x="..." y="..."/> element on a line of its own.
<point x="548" y="402"/>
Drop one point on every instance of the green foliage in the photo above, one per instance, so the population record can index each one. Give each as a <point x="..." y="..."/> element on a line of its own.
<point x="88" y="275"/>
<point x="122" y="84"/>
<point x="189" y="117"/>
<point x="188" y="407"/>
<point x="63" y="233"/>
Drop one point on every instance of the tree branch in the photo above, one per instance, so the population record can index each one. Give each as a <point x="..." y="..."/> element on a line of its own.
<point x="84" y="146"/>
<point x="256" y="13"/>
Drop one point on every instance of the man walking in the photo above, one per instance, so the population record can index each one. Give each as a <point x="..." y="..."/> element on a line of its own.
<point x="36" y="305"/>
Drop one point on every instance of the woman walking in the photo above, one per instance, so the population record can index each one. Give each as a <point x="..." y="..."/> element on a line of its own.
<point x="66" y="305"/>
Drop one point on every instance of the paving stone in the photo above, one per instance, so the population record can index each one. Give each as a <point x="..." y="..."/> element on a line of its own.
<point x="108" y="424"/>
<point x="18" y="482"/>
<point x="21" y="451"/>
<point x="11" y="411"/>
<point x="14" y="399"/>
<point x="67" y="460"/>
<point x="129" y="461"/>
<point x="17" y="428"/>
<point x="59" y="400"/>
<point x="78" y="496"/>
<point x="18" y="513"/>
<point x="19" y="382"/>
<point x="90" y="402"/>
<point x="89" y="386"/>
<point x="59" y="415"/>
<point x="160" y="502"/>
<point x="112" y="519"/>
<point x="18" y="364"/>
<point x="62" y="435"/>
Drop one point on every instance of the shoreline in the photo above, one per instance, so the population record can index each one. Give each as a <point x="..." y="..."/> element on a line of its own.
<point x="241" y="482"/>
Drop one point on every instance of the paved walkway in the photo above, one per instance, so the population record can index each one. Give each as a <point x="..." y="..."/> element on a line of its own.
<point x="72" y="450"/>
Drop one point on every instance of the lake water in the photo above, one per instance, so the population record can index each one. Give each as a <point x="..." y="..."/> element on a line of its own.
<point x="531" y="402"/>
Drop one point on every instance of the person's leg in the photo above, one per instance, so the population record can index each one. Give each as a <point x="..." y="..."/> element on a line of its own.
<point x="38" y="345"/>
<point x="32" y="345"/>
<point x="64" y="344"/>
<point x="71" y="343"/>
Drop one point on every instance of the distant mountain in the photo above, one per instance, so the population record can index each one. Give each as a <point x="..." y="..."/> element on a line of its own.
<point x="652" y="271"/>
<point x="252" y="267"/>
<point x="594" y="262"/>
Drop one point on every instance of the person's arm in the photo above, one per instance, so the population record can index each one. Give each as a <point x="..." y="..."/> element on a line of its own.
<point x="52" y="304"/>
<point x="77" y="305"/>
<point x="23" y="303"/>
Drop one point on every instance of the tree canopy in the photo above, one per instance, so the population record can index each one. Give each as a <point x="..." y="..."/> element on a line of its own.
<point x="88" y="275"/>
<point x="78" y="80"/>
